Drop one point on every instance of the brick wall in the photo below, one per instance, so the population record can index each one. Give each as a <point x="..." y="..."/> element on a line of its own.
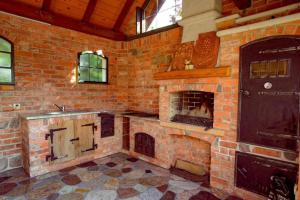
<point x="145" y="57"/>
<point x="45" y="63"/>
<point x="256" y="6"/>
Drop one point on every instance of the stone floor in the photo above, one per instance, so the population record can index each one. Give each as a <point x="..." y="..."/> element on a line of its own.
<point x="114" y="177"/>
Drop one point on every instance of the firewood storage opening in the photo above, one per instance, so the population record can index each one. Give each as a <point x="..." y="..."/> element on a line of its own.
<point x="192" y="107"/>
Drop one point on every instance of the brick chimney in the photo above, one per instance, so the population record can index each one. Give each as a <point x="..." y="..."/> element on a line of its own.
<point x="199" y="18"/>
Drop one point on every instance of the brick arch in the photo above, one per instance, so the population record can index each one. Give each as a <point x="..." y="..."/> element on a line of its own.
<point x="270" y="38"/>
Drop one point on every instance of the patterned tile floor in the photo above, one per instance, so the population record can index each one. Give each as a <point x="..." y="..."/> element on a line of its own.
<point x="114" y="177"/>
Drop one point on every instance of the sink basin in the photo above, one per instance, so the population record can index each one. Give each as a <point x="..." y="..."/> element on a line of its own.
<point x="54" y="113"/>
<point x="60" y="112"/>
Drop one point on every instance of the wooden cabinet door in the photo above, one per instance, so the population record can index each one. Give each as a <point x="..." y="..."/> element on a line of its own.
<point x="85" y="132"/>
<point x="60" y="139"/>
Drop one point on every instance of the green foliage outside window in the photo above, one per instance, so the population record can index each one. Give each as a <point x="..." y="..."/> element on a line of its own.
<point x="92" y="68"/>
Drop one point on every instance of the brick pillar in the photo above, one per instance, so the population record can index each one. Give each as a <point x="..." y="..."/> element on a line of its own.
<point x="199" y="18"/>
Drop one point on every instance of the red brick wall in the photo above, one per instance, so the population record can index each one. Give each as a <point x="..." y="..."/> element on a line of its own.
<point x="45" y="63"/>
<point x="256" y="6"/>
<point x="147" y="56"/>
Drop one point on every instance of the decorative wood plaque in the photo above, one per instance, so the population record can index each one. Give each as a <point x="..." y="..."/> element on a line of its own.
<point x="206" y="51"/>
<point x="183" y="52"/>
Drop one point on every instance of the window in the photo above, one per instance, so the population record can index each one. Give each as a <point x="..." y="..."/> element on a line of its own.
<point x="6" y="62"/>
<point x="156" y="14"/>
<point x="270" y="69"/>
<point x="92" y="68"/>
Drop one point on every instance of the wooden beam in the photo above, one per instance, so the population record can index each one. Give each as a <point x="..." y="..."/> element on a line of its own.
<point x="123" y="14"/>
<point x="46" y="5"/>
<point x="89" y="11"/>
<point x="195" y="73"/>
<point x="58" y="20"/>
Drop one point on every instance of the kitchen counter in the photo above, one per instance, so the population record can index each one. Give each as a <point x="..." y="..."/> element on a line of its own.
<point x="46" y="115"/>
<point x="130" y="114"/>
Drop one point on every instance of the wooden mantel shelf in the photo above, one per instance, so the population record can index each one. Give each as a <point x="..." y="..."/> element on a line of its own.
<point x="195" y="73"/>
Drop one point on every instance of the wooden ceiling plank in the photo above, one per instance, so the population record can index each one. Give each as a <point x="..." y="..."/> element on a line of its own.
<point x="89" y="11"/>
<point x="123" y="14"/>
<point x="46" y="5"/>
<point x="58" y="20"/>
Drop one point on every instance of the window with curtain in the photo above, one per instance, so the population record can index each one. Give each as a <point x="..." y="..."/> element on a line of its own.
<point x="6" y="62"/>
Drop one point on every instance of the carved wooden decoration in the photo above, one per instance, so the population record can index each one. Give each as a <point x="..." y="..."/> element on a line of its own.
<point x="242" y="4"/>
<point x="183" y="52"/>
<point x="205" y="52"/>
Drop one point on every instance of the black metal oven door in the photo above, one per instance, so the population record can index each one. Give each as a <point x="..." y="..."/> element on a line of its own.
<point x="255" y="173"/>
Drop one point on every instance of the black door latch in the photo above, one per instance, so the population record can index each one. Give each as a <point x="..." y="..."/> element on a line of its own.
<point x="74" y="139"/>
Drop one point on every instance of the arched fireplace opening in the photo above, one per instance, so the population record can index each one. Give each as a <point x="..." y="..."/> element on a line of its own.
<point x="144" y="144"/>
<point x="192" y="107"/>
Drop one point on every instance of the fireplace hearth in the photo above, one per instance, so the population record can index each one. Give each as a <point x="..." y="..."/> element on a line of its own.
<point x="193" y="107"/>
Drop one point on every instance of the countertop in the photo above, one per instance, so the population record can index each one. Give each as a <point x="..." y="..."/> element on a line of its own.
<point x="130" y="114"/>
<point x="44" y="115"/>
<point x="144" y="118"/>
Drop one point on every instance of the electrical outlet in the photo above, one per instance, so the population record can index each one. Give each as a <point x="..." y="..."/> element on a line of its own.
<point x="17" y="106"/>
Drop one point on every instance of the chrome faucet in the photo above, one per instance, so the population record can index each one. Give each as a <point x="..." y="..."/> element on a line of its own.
<point x="61" y="108"/>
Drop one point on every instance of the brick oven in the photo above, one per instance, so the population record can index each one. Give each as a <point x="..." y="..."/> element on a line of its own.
<point x="269" y="113"/>
<point x="192" y="107"/>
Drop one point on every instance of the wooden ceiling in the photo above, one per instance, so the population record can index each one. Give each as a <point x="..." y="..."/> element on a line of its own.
<point x="105" y="18"/>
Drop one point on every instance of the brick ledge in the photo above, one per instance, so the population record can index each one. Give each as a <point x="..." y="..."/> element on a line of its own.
<point x="197" y="129"/>
<point x="258" y="25"/>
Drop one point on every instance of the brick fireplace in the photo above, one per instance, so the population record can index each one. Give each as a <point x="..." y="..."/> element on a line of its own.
<point x="222" y="136"/>
<point x="192" y="107"/>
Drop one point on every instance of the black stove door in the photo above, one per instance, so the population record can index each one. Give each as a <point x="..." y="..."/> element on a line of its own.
<point x="269" y="92"/>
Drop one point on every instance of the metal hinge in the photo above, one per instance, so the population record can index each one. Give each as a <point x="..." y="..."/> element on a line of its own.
<point x="52" y="133"/>
<point x="91" y="124"/>
<point x="51" y="157"/>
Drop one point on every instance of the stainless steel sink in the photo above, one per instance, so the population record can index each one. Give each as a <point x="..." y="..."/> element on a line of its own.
<point x="55" y="113"/>
<point x="61" y="112"/>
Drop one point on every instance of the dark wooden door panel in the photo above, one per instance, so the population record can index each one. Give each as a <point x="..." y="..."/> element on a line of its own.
<point x="126" y="133"/>
<point x="269" y="92"/>
<point x="144" y="144"/>
<point x="107" y="125"/>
